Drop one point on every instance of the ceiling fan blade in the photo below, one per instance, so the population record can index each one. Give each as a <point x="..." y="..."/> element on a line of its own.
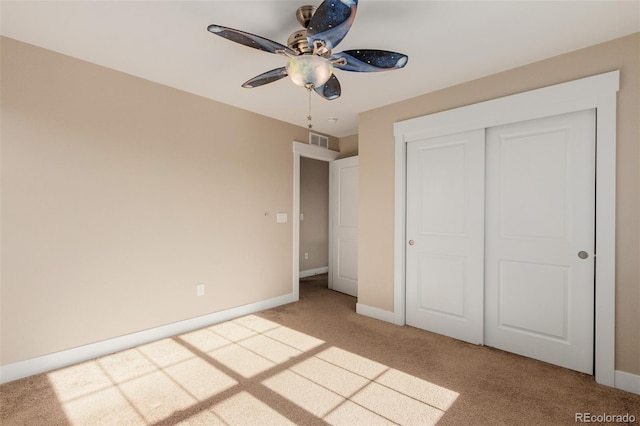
<point x="331" y="22"/>
<point x="250" y="40"/>
<point x="331" y="89"/>
<point x="368" y="60"/>
<point x="266" y="78"/>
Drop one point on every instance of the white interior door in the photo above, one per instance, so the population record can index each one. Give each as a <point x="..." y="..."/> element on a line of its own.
<point x="344" y="219"/>
<point x="445" y="235"/>
<point x="540" y="239"/>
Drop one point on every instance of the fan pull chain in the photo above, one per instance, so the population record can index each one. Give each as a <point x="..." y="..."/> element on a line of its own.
<point x="309" y="118"/>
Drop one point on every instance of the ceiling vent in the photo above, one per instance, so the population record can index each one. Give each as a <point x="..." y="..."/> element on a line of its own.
<point x="318" y="140"/>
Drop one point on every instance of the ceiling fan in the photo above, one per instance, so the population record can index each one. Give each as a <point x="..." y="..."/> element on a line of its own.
<point x="311" y="60"/>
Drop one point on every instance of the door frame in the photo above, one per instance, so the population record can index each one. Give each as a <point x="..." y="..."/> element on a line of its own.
<point x="301" y="149"/>
<point x="597" y="92"/>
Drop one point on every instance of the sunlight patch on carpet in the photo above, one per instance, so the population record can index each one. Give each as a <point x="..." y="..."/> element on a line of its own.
<point x="246" y="371"/>
<point x="199" y="378"/>
<point x="242" y="361"/>
<point x="243" y="408"/>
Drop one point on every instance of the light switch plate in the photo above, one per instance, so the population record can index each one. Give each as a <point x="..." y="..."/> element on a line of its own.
<point x="281" y="218"/>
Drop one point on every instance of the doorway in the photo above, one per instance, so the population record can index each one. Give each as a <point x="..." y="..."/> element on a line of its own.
<point x="303" y="150"/>
<point x="314" y="217"/>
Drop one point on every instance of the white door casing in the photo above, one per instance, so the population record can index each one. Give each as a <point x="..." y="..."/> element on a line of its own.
<point x="344" y="225"/>
<point x="599" y="92"/>
<point x="540" y="188"/>
<point x="445" y="235"/>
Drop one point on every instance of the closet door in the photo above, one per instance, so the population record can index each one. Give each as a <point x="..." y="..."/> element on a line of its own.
<point x="445" y="240"/>
<point x="540" y="239"/>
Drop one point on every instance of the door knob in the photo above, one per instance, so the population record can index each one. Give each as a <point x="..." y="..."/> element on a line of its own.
<point x="583" y="254"/>
<point x="411" y="242"/>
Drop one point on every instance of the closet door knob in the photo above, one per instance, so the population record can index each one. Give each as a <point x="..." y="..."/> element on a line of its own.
<point x="583" y="254"/>
<point x="411" y="242"/>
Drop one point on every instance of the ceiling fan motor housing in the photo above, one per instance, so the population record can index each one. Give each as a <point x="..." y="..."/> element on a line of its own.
<point x="298" y="42"/>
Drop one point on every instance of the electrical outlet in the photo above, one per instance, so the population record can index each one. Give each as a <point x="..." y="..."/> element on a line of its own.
<point x="306" y="256"/>
<point x="200" y="290"/>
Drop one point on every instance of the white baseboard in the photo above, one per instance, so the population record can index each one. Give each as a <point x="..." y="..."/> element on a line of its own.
<point x="41" y="364"/>
<point x="627" y="381"/>
<point x="377" y="313"/>
<point x="312" y="272"/>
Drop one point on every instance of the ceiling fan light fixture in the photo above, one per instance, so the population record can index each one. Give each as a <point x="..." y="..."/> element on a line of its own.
<point x="309" y="51"/>
<point x="309" y="71"/>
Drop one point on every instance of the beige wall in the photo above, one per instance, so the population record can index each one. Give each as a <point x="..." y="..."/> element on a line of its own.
<point x="334" y="142"/>
<point x="376" y="151"/>
<point x="120" y="195"/>
<point x="314" y="204"/>
<point x="349" y="146"/>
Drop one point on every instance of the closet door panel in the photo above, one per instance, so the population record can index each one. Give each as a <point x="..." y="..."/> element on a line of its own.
<point x="445" y="225"/>
<point x="540" y="239"/>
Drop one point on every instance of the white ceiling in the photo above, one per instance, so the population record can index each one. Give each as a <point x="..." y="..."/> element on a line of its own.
<point x="448" y="42"/>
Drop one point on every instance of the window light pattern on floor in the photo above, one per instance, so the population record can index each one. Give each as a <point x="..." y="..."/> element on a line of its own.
<point x="247" y="371"/>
